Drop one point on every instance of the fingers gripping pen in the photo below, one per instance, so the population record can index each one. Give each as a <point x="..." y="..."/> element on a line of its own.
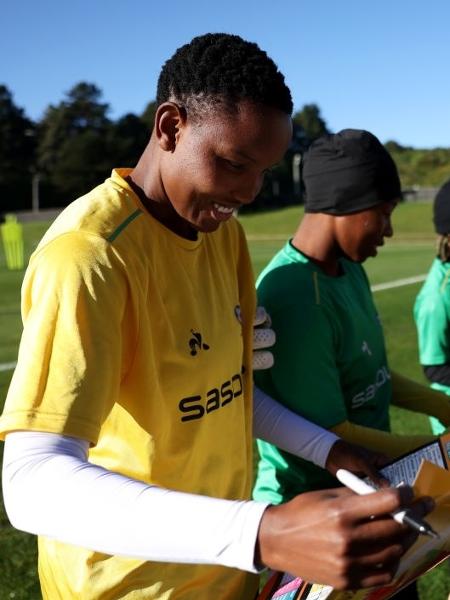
<point x="360" y="487"/>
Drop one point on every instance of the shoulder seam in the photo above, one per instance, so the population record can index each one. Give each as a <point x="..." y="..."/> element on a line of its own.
<point x="120" y="228"/>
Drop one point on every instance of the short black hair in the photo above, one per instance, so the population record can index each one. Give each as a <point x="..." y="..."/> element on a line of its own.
<point x="220" y="68"/>
<point x="441" y="210"/>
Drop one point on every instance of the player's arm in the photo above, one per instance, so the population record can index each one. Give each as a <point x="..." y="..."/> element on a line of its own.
<point x="411" y="395"/>
<point x="83" y="504"/>
<point x="391" y="444"/>
<point x="278" y="425"/>
<point x="438" y="374"/>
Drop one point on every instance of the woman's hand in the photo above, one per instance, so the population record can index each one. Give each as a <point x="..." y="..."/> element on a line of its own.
<point x="358" y="460"/>
<point x="337" y="538"/>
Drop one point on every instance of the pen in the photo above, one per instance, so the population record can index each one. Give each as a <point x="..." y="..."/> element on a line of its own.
<point x="360" y="487"/>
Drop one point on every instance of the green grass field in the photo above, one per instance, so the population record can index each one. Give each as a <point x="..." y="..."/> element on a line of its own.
<point x="408" y="254"/>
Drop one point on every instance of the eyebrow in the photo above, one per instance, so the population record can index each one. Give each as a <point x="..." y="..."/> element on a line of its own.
<point x="253" y="160"/>
<point x="244" y="155"/>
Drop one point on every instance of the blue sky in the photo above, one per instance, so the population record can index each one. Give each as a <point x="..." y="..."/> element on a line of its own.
<point x="381" y="65"/>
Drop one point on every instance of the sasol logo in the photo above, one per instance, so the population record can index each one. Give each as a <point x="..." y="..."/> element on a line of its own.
<point x="365" y="396"/>
<point x="196" y="407"/>
<point x="196" y="343"/>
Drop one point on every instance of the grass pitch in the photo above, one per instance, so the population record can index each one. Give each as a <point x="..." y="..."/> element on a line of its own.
<point x="408" y="254"/>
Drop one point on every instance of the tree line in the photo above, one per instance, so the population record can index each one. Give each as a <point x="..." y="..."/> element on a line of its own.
<point x="75" y="145"/>
<point x="421" y="168"/>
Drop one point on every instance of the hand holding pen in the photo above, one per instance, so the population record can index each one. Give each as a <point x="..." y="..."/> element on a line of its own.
<point x="406" y="517"/>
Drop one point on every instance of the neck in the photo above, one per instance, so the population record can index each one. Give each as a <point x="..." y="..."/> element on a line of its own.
<point x="315" y="239"/>
<point x="145" y="181"/>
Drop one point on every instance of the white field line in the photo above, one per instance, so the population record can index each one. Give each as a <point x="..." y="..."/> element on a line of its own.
<point x="273" y="237"/>
<point x="375" y="288"/>
<point x="397" y="283"/>
<point x="262" y="237"/>
<point x="7" y="366"/>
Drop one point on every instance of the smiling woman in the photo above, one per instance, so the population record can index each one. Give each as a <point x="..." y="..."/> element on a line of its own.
<point x="144" y="344"/>
<point x="130" y="414"/>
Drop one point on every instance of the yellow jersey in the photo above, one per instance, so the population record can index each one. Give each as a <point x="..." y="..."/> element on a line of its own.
<point x="132" y="341"/>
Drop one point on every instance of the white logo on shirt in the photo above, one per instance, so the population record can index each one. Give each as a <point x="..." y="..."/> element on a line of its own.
<point x="365" y="348"/>
<point x="381" y="378"/>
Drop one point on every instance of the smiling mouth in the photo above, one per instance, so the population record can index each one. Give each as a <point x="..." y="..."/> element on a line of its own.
<point x="226" y="210"/>
<point x="220" y="212"/>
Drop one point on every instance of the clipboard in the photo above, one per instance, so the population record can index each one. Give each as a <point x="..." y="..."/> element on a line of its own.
<point x="427" y="470"/>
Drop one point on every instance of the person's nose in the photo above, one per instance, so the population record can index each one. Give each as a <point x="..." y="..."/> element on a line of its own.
<point x="249" y="188"/>
<point x="388" y="230"/>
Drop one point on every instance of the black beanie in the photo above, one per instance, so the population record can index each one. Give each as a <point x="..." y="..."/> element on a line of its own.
<point x="348" y="172"/>
<point x="441" y="210"/>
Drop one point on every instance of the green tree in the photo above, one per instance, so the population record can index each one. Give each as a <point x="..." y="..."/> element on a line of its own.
<point x="419" y="167"/>
<point x="148" y="116"/>
<point x="311" y="121"/>
<point x="127" y="138"/>
<point x="17" y="154"/>
<point x="394" y="147"/>
<point x="73" y="143"/>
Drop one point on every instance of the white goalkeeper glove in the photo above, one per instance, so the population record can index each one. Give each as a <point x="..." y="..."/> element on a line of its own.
<point x="263" y="337"/>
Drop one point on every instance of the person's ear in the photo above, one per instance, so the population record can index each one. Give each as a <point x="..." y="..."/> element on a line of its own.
<point x="170" y="118"/>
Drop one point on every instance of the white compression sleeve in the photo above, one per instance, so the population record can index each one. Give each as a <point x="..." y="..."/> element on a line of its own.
<point x="278" y="425"/>
<point x="86" y="505"/>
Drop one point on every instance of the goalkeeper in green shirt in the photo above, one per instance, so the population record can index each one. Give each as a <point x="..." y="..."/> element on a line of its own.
<point x="330" y="359"/>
